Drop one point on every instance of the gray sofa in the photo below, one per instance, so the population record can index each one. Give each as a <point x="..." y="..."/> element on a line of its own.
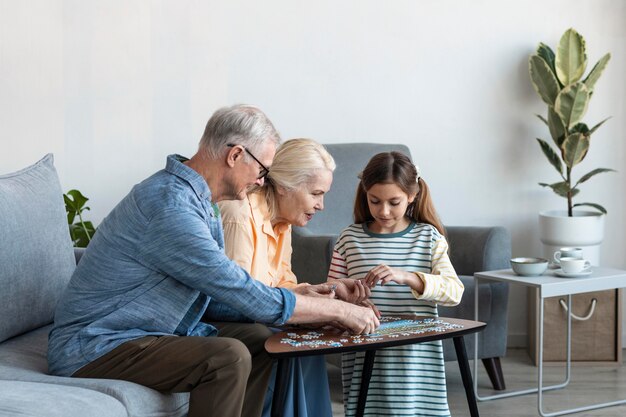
<point x="472" y="249"/>
<point x="36" y="263"/>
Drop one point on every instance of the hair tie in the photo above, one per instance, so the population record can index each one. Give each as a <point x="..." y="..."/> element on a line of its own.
<point x="417" y="169"/>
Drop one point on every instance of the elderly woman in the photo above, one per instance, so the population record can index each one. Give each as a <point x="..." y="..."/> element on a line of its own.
<point x="257" y="234"/>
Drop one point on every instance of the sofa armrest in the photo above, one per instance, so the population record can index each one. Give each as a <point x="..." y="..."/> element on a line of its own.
<point x="311" y="255"/>
<point x="78" y="253"/>
<point x="475" y="249"/>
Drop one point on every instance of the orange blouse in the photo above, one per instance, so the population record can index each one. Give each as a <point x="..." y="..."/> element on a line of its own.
<point x="251" y="241"/>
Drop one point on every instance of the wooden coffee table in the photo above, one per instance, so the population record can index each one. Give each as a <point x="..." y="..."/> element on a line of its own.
<point x="401" y="329"/>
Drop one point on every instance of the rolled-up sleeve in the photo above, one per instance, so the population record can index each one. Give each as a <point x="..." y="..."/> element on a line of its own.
<point x="178" y="243"/>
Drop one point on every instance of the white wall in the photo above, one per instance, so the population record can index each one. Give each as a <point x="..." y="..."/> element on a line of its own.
<point x="112" y="87"/>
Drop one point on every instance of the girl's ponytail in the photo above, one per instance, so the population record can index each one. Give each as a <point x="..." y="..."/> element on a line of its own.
<point x="425" y="212"/>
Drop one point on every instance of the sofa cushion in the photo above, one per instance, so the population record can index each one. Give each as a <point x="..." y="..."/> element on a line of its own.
<point x="36" y="257"/>
<point x="23" y="358"/>
<point x="34" y="399"/>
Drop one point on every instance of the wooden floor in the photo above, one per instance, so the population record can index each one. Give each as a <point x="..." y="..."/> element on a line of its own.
<point x="588" y="385"/>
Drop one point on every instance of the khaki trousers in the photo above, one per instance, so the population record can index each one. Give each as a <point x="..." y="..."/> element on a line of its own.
<point x="225" y="375"/>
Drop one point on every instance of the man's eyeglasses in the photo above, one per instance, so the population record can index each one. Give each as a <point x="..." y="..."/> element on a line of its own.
<point x="264" y="170"/>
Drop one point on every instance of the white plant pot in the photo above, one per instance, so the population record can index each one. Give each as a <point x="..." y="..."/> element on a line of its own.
<point x="584" y="230"/>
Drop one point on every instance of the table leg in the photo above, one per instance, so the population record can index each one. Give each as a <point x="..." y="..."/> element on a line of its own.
<point x="466" y="375"/>
<point x="280" y="393"/>
<point x="368" y="364"/>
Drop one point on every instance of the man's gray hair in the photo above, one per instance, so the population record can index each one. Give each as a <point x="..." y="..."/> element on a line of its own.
<point x="241" y="124"/>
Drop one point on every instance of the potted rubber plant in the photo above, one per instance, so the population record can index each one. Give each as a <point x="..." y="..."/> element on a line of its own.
<point x="558" y="77"/>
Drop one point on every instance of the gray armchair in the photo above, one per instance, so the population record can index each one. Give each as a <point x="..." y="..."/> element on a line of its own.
<point x="472" y="249"/>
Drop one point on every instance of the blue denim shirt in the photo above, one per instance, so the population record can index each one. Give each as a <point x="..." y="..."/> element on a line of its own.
<point x="154" y="265"/>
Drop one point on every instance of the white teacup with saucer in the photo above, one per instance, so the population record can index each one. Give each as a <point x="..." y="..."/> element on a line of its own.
<point x="573" y="267"/>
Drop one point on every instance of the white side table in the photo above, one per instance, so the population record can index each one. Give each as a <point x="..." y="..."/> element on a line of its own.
<point x="549" y="285"/>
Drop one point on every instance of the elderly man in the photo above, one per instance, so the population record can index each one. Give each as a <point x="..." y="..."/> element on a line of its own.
<point x="156" y="265"/>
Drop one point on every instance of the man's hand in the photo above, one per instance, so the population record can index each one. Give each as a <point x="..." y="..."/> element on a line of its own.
<point x="322" y="309"/>
<point x="350" y="290"/>
<point x="370" y="304"/>
<point x="358" y="320"/>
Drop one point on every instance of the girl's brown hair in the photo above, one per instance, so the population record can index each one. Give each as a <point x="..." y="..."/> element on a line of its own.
<point x="396" y="168"/>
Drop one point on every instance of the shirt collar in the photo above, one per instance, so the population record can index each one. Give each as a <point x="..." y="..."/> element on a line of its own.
<point x="261" y="215"/>
<point x="175" y="166"/>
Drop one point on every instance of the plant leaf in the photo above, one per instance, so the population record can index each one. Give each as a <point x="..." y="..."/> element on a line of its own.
<point x="543" y="119"/>
<point x="596" y="72"/>
<point x="543" y="79"/>
<point x="571" y="103"/>
<point x="593" y="129"/>
<point x="584" y="130"/>
<point x="575" y="148"/>
<point x="79" y="236"/>
<point x="592" y="173"/>
<point x="68" y="201"/>
<point x="70" y="208"/>
<point x="571" y="58"/>
<point x="594" y="205"/>
<point x="552" y="156"/>
<point x="580" y="128"/>
<point x="557" y="129"/>
<point x="79" y="199"/>
<point x="560" y="188"/>
<point x="545" y="52"/>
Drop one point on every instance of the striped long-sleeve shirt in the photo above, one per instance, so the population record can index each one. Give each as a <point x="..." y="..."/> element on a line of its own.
<point x="406" y="380"/>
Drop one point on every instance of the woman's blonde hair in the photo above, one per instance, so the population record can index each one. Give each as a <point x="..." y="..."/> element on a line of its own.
<point x="295" y="163"/>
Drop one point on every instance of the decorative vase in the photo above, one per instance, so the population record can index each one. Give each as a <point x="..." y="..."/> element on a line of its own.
<point x="584" y="230"/>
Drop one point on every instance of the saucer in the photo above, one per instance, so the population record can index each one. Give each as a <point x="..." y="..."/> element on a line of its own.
<point x="584" y="273"/>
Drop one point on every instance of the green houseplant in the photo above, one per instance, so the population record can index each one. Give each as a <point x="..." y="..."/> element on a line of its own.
<point x="558" y="79"/>
<point x="81" y="231"/>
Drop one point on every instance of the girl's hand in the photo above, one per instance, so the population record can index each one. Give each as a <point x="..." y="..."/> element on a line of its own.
<point x="385" y="274"/>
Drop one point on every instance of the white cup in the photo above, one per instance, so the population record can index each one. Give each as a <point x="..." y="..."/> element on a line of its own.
<point x="574" y="265"/>
<point x="576" y="253"/>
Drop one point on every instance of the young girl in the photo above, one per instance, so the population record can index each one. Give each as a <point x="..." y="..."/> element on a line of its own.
<point x="397" y="246"/>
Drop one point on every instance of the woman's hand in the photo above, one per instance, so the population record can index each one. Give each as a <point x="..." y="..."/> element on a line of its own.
<point x="385" y="274"/>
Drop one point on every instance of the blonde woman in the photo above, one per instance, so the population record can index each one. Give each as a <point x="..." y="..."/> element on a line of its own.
<point x="257" y="235"/>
